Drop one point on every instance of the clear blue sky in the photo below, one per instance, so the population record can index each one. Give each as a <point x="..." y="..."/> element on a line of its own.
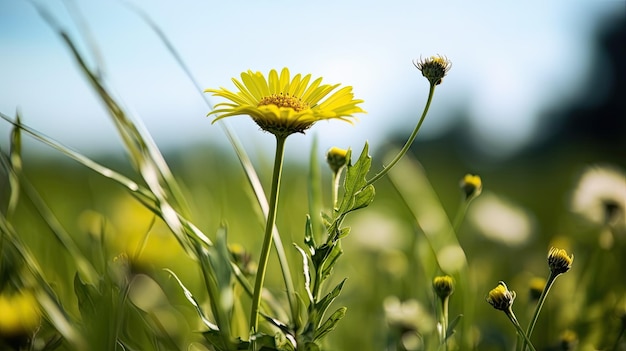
<point x="510" y="60"/>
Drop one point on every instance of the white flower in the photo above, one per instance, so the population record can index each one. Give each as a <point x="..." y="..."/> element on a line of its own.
<point x="600" y="196"/>
<point x="500" y="220"/>
<point x="409" y="315"/>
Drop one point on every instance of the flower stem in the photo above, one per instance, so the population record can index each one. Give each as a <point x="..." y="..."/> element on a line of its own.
<point x="542" y="299"/>
<point x="460" y="215"/>
<point x="408" y="143"/>
<point x="513" y="320"/>
<point x="444" y="322"/>
<point x="267" y="239"/>
<point x="336" y="178"/>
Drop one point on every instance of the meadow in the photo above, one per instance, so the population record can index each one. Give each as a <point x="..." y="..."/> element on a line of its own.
<point x="375" y="247"/>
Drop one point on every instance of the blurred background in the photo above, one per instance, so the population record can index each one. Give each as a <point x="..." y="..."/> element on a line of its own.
<point x="534" y="97"/>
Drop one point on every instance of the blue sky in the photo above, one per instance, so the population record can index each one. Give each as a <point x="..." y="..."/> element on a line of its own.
<point x="510" y="61"/>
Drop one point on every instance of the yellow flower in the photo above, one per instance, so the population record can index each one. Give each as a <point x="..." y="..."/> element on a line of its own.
<point x="336" y="158"/>
<point x="434" y="68"/>
<point x="558" y="261"/>
<point x="19" y="314"/>
<point x="500" y="297"/>
<point x="471" y="185"/>
<point x="283" y="105"/>
<point x="535" y="287"/>
<point x="444" y="286"/>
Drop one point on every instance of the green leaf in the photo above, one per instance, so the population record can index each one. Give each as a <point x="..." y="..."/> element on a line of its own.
<point x="363" y="198"/>
<point x="321" y="306"/>
<point x="344" y="232"/>
<point x="355" y="181"/>
<point x="309" y="238"/>
<point x="306" y="272"/>
<point x="16" y="166"/>
<point x="450" y="331"/>
<point x="194" y="303"/>
<point x="330" y="323"/>
<point x="86" y="295"/>
<point x="214" y="337"/>
<point x="330" y="260"/>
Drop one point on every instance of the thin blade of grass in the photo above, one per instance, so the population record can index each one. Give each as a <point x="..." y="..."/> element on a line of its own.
<point x="15" y="158"/>
<point x="244" y="160"/>
<point x="45" y="295"/>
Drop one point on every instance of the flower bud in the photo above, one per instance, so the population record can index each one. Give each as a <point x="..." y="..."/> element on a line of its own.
<point x="558" y="261"/>
<point x="443" y="286"/>
<point x="336" y="158"/>
<point x="471" y="185"/>
<point x="434" y="68"/>
<point x="500" y="297"/>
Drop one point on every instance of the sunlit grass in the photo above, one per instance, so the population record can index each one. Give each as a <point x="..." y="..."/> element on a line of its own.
<point x="162" y="251"/>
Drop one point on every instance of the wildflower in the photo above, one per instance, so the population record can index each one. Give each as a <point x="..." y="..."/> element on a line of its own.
<point x="407" y="315"/>
<point x="600" y="196"/>
<point x="471" y="185"/>
<point x="283" y="105"/>
<point x="434" y="68"/>
<point x="501" y="298"/>
<point x="568" y="340"/>
<point x="535" y="287"/>
<point x="336" y="158"/>
<point x="501" y="220"/>
<point x="558" y="261"/>
<point x="20" y="315"/>
<point x="444" y="286"/>
<point x="243" y="259"/>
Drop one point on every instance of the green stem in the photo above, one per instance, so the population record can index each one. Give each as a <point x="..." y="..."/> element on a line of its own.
<point x="542" y="299"/>
<point x="458" y="218"/>
<point x="444" y="321"/>
<point x="408" y="143"/>
<point x="513" y="320"/>
<point x="336" y="178"/>
<point x="267" y="239"/>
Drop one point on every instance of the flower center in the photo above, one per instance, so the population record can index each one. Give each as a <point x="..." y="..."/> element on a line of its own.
<point x="284" y="100"/>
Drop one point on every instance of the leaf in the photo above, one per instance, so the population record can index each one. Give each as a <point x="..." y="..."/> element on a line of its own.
<point x="16" y="166"/>
<point x="331" y="259"/>
<point x="309" y="239"/>
<point x="330" y="323"/>
<point x="321" y="306"/>
<point x="194" y="303"/>
<point x="306" y="273"/>
<point x="363" y="198"/>
<point x="86" y="296"/>
<point x="452" y="325"/>
<point x="355" y="181"/>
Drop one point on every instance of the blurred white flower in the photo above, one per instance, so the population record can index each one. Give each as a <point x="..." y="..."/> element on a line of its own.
<point x="408" y="315"/>
<point x="378" y="232"/>
<point x="500" y="220"/>
<point x="600" y="196"/>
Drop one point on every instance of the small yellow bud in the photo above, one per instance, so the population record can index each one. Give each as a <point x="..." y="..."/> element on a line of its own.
<point x="558" y="260"/>
<point x="569" y="340"/>
<point x="434" y="68"/>
<point x="535" y="287"/>
<point x="471" y="185"/>
<point x="336" y="158"/>
<point x="444" y="286"/>
<point x="20" y="314"/>
<point x="500" y="297"/>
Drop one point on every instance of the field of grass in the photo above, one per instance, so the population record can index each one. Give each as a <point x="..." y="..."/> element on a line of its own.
<point x="161" y="251"/>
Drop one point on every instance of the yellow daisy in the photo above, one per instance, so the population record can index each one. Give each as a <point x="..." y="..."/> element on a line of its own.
<point x="283" y="105"/>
